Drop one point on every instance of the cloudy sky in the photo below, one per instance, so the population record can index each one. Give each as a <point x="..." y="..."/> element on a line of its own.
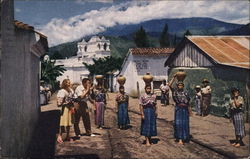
<point x="67" y="20"/>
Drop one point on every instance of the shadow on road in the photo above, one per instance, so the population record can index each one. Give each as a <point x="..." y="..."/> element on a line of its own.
<point x="153" y="141"/>
<point x="42" y="144"/>
<point x="83" y="156"/>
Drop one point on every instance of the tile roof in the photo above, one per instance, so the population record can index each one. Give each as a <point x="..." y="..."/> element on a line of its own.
<point x="151" y="51"/>
<point x="21" y="25"/>
<point x="227" y="50"/>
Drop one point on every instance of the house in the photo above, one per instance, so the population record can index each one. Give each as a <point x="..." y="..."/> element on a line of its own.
<point x="138" y="62"/>
<point x="96" y="47"/>
<point x="20" y="51"/>
<point x="223" y="60"/>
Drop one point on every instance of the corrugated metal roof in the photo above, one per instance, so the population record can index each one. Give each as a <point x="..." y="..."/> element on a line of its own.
<point x="151" y="51"/>
<point x="228" y="50"/>
<point x="21" y="25"/>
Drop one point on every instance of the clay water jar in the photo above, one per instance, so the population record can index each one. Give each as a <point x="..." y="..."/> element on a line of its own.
<point x="181" y="75"/>
<point x="121" y="80"/>
<point x="147" y="78"/>
<point x="99" y="77"/>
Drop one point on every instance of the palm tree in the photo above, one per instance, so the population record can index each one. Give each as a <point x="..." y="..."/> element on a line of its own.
<point x="49" y="72"/>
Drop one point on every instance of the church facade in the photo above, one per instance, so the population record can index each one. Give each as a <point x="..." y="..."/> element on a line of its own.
<point x="96" y="47"/>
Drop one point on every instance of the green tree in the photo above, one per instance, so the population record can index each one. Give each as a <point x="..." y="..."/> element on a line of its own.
<point x="164" y="38"/>
<point x="187" y="33"/>
<point x="49" y="72"/>
<point x="140" y="38"/>
<point x="102" y="66"/>
<point x="175" y="40"/>
<point x="56" y="55"/>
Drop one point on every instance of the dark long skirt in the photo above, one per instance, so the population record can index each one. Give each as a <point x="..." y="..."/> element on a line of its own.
<point x="123" y="118"/>
<point x="198" y="106"/>
<point x="205" y="105"/>
<point x="238" y="121"/>
<point x="99" y="116"/>
<point x="181" y="123"/>
<point x="148" y="125"/>
<point x="164" y="98"/>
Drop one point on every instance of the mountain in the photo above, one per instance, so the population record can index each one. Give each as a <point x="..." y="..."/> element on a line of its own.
<point x="121" y="36"/>
<point x="178" y="26"/>
<point x="244" y="30"/>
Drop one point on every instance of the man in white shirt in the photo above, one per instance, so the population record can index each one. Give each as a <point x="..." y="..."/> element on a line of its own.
<point x="206" y="97"/>
<point x="82" y="93"/>
<point x="164" y="93"/>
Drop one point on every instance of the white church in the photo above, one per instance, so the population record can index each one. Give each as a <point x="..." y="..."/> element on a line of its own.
<point x="96" y="47"/>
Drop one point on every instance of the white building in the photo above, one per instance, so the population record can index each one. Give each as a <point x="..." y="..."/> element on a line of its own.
<point x="138" y="62"/>
<point x="96" y="47"/>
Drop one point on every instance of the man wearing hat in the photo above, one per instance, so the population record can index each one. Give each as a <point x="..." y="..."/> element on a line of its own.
<point x="206" y="97"/>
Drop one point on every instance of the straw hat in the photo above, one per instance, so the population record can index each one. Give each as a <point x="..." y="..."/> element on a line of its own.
<point x="205" y="80"/>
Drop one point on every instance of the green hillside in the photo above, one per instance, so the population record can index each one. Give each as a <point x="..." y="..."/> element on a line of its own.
<point x="119" y="47"/>
<point x="63" y="50"/>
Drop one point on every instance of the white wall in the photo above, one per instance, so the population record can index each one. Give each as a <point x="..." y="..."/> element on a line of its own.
<point x="136" y="66"/>
<point x="128" y="71"/>
<point x="75" y="70"/>
<point x="95" y="48"/>
<point x="74" y="74"/>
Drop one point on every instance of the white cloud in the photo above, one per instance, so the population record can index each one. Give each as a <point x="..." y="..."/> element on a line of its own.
<point x="100" y="1"/>
<point x="96" y="21"/>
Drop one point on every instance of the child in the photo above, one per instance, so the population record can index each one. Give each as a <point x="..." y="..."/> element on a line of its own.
<point x="148" y="114"/>
<point x="198" y="100"/>
<point x="122" y="107"/>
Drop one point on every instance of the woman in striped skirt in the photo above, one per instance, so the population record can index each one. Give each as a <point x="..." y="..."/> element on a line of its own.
<point x="100" y="105"/>
<point x="237" y="115"/>
<point x="148" y="114"/>
<point x="182" y="112"/>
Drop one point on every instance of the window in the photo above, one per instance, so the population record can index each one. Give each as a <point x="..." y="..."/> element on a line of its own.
<point x="157" y="84"/>
<point x="105" y="46"/>
<point x="99" y="46"/>
<point x="85" y="48"/>
<point x="141" y="64"/>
